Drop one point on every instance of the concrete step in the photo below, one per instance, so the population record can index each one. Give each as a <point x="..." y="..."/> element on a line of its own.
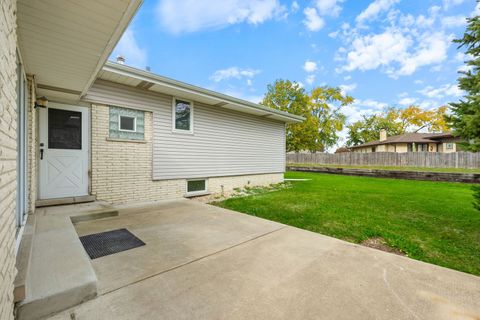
<point x="64" y="201"/>
<point x="59" y="273"/>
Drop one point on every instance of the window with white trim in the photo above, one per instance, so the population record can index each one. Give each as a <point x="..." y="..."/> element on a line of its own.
<point x="127" y="123"/>
<point x="182" y="116"/>
<point x="196" y="186"/>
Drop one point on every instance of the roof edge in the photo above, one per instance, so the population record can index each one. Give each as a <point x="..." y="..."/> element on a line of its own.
<point x="157" y="79"/>
<point x="129" y="13"/>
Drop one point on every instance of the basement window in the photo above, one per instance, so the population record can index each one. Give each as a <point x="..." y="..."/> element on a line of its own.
<point x="196" y="187"/>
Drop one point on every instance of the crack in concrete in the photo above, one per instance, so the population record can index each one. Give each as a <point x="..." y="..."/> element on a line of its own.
<point x="387" y="284"/>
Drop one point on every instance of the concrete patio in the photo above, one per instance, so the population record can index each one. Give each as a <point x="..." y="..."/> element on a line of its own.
<point x="204" y="262"/>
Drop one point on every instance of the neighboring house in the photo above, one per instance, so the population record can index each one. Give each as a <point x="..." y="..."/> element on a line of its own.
<point x="411" y="142"/>
<point x="109" y="131"/>
<point x="342" y="150"/>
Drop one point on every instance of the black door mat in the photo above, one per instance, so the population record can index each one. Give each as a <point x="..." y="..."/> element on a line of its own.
<point x="106" y="243"/>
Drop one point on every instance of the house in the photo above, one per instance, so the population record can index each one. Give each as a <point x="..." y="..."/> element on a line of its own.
<point x="76" y="128"/>
<point x="410" y="142"/>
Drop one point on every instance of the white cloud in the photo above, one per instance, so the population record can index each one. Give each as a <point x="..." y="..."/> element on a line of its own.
<point x="130" y="50"/>
<point x="328" y="7"/>
<point x="447" y="90"/>
<point x="450" y="3"/>
<point x="476" y="11"/>
<point x="194" y="15"/>
<point x="310" y="66"/>
<point x="233" y="72"/>
<point x="454" y="21"/>
<point x="314" y="15"/>
<point x="346" y="88"/>
<point x="346" y="78"/>
<point x="408" y="44"/>
<point x="431" y="49"/>
<point x="374" y="9"/>
<point x="372" y="51"/>
<point x="407" y="101"/>
<point x="313" y="21"/>
<point x="371" y="104"/>
<point x="334" y="34"/>
<point x="295" y="6"/>
<point x="310" y="79"/>
<point x="464" y="68"/>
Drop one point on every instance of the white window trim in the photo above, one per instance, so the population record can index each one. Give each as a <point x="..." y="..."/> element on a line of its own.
<point x="196" y="193"/>
<point x="175" y="130"/>
<point x="134" y="123"/>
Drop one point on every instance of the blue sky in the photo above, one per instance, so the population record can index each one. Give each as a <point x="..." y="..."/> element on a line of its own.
<point x="382" y="52"/>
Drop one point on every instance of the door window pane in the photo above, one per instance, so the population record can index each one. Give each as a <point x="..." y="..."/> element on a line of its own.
<point x="64" y="129"/>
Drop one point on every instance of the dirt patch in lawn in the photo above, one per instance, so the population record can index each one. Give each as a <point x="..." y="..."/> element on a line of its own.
<point x="380" y="244"/>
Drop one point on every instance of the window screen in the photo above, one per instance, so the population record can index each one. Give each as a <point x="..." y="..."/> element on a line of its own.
<point x="127" y="123"/>
<point x="196" y="185"/>
<point x="64" y="129"/>
<point x="183" y="115"/>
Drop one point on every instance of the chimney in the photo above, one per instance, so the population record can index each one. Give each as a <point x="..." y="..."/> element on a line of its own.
<point x="147" y="68"/>
<point x="120" y="59"/>
<point x="383" y="135"/>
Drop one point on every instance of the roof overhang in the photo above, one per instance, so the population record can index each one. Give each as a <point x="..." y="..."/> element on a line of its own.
<point x="64" y="44"/>
<point x="134" y="77"/>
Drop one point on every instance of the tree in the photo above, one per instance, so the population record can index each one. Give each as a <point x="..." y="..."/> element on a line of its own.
<point x="465" y="114"/>
<point x="321" y="109"/>
<point x="396" y="121"/>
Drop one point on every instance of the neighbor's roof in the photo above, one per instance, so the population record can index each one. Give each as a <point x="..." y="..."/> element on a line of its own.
<point x="408" y="138"/>
<point x="149" y="81"/>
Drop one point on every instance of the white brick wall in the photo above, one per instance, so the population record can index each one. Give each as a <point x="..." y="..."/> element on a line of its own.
<point x="122" y="171"/>
<point x="8" y="154"/>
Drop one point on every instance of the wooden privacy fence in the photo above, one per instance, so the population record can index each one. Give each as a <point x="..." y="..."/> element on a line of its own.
<point x="407" y="159"/>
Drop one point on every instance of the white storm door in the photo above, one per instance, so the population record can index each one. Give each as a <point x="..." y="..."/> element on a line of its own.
<point x="63" y="151"/>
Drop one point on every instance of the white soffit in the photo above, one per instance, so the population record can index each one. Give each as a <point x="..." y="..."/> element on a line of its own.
<point x="66" y="43"/>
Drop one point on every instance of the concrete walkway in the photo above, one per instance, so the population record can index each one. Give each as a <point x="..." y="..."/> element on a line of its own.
<point x="203" y="262"/>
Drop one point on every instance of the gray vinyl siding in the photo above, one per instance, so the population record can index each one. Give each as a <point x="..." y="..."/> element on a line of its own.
<point x="224" y="142"/>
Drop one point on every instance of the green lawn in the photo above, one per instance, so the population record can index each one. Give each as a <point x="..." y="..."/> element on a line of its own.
<point x="457" y="170"/>
<point x="430" y="221"/>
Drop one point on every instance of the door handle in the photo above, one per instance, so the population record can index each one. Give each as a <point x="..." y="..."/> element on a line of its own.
<point x="41" y="154"/>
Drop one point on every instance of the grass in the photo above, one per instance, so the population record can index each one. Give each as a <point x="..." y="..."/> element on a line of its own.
<point x="429" y="221"/>
<point x="453" y="170"/>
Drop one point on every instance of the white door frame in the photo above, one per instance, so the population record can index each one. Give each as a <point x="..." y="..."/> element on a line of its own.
<point x="22" y="143"/>
<point x="43" y="193"/>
